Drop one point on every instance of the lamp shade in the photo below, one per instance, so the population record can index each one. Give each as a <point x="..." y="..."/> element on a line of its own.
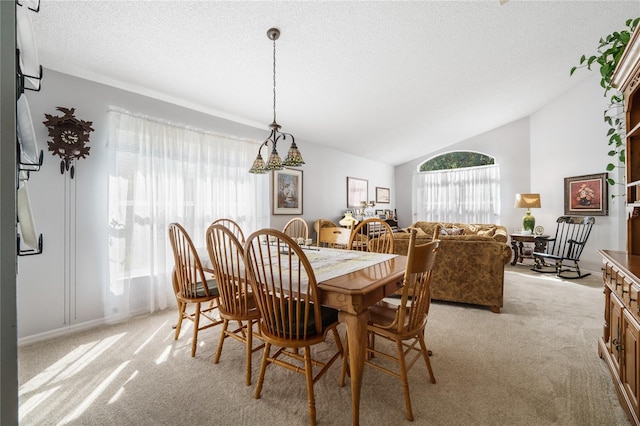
<point x="527" y="201"/>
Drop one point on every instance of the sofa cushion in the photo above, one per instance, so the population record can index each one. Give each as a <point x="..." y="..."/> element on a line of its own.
<point x="451" y="231"/>
<point x="486" y="232"/>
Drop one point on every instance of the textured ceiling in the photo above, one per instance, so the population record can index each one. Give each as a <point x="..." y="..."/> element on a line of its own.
<point x="387" y="80"/>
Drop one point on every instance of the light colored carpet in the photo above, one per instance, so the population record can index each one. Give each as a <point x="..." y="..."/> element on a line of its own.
<point x="536" y="363"/>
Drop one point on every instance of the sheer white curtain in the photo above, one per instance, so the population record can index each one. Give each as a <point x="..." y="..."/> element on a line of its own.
<point x="162" y="172"/>
<point x="467" y="195"/>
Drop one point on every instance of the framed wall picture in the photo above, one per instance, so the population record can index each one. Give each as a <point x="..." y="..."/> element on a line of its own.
<point x="357" y="192"/>
<point x="287" y="191"/>
<point x="586" y="195"/>
<point x="383" y="195"/>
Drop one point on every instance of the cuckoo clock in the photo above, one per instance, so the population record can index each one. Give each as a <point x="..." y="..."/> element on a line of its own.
<point x="69" y="137"/>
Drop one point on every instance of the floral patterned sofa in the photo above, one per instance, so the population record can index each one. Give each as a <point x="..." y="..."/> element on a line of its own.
<point x="470" y="261"/>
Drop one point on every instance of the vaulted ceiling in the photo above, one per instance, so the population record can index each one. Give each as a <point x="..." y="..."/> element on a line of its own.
<point x="386" y="80"/>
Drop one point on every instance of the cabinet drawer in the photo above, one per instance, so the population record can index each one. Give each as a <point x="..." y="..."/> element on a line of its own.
<point x="613" y="278"/>
<point x="607" y="271"/>
<point x="630" y="300"/>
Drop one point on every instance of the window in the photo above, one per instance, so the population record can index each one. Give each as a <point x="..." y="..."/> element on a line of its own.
<point x="459" y="187"/>
<point x="456" y="160"/>
<point x="160" y="173"/>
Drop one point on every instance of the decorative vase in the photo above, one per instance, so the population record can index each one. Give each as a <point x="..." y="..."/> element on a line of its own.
<point x="528" y="223"/>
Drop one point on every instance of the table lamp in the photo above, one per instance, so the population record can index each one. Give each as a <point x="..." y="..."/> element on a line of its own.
<point x="528" y="201"/>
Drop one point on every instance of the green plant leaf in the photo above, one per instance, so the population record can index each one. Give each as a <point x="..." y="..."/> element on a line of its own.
<point x="610" y="167"/>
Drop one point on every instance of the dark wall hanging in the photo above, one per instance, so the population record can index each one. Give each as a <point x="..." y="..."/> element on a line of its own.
<point x="69" y="137"/>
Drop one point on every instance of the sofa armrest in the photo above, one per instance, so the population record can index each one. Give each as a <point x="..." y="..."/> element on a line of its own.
<point x="501" y="235"/>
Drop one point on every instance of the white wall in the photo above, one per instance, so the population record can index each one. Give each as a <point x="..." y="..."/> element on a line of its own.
<point x="64" y="288"/>
<point x="508" y="144"/>
<point x="568" y="138"/>
<point x="325" y="183"/>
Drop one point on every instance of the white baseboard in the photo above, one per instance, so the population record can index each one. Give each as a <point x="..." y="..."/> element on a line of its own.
<point x="75" y="328"/>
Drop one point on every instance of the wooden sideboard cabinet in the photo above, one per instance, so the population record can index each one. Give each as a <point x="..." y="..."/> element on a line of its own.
<point x="619" y="345"/>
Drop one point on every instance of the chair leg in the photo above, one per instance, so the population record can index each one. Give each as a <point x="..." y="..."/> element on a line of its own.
<point x="371" y="344"/>
<point x="181" y="309"/>
<point x="558" y="267"/>
<point x="336" y="337"/>
<point x="249" y="339"/>
<point x="425" y="355"/>
<point x="263" y="367"/>
<point x="405" y="380"/>
<point x="196" y="325"/>
<point x="308" y="369"/>
<point x="223" y="335"/>
<point x="345" y="361"/>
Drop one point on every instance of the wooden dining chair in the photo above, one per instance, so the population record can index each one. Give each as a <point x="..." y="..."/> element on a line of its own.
<point x="297" y="228"/>
<point x="193" y="288"/>
<point x="237" y="303"/>
<point x="403" y="323"/>
<point x="337" y="237"/>
<point x="374" y="235"/>
<point x="233" y="226"/>
<point x="286" y="291"/>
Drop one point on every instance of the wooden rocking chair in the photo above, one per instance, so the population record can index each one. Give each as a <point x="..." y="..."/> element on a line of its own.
<point x="563" y="251"/>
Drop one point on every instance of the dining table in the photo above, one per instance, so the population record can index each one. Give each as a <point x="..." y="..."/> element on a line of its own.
<point x="352" y="293"/>
<point x="350" y="281"/>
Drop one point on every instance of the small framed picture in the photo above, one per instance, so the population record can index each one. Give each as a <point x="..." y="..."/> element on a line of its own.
<point x="586" y="195"/>
<point x="357" y="192"/>
<point x="383" y="195"/>
<point x="287" y="191"/>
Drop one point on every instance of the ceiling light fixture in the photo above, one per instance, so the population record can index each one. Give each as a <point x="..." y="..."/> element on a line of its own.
<point x="294" y="158"/>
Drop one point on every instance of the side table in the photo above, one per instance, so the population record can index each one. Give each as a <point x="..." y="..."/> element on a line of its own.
<point x="517" y="245"/>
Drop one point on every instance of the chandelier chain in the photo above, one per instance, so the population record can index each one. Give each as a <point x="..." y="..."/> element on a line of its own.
<point x="274" y="80"/>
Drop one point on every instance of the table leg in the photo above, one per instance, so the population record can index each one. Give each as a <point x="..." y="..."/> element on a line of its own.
<point x="514" y="248"/>
<point x="520" y="252"/>
<point x="357" y="337"/>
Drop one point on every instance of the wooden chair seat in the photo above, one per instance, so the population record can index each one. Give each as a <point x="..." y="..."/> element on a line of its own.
<point x="187" y="279"/>
<point x="237" y="302"/>
<point x="403" y="323"/>
<point x="286" y="290"/>
<point x="383" y="313"/>
<point x="201" y="293"/>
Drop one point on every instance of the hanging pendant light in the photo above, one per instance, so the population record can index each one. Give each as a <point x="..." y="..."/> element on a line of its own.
<point x="274" y="162"/>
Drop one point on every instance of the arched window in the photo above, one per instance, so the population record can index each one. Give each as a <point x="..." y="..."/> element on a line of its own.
<point x="460" y="186"/>
<point x="456" y="160"/>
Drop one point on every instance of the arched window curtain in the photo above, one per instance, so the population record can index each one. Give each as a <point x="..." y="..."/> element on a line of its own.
<point x="160" y="173"/>
<point x="467" y="195"/>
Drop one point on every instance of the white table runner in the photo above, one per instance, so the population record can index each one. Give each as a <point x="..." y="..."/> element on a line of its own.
<point x="326" y="263"/>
